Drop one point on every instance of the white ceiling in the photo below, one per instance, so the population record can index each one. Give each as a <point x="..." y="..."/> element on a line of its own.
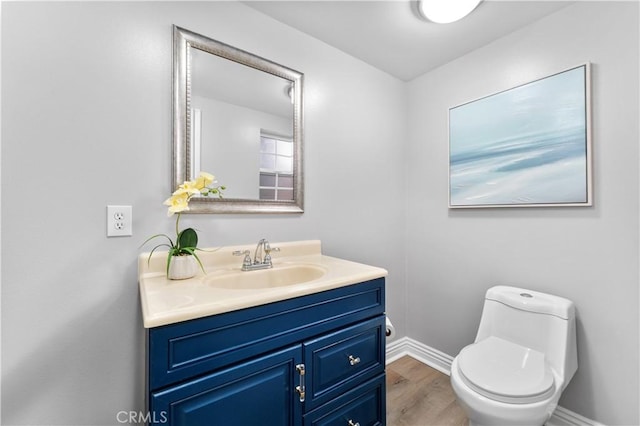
<point x="389" y="35"/>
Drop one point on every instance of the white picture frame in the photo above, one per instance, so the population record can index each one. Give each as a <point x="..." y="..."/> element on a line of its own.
<point x="528" y="146"/>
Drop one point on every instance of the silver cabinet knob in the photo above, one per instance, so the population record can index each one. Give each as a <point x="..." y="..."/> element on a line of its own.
<point x="352" y="423"/>
<point x="354" y="360"/>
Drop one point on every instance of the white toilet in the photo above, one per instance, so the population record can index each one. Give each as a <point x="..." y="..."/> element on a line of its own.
<point x="523" y="357"/>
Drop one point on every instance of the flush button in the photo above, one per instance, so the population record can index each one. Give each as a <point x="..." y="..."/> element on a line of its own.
<point x="526" y="295"/>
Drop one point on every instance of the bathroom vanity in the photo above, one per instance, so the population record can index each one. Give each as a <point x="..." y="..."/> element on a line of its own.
<point x="300" y="349"/>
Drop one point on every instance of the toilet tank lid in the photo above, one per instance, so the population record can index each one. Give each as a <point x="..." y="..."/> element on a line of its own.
<point x="532" y="301"/>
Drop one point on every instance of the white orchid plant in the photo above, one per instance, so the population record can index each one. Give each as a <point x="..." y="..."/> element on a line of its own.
<point x="186" y="241"/>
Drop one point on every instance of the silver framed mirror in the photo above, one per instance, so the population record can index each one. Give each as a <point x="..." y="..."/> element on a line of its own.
<point x="240" y="117"/>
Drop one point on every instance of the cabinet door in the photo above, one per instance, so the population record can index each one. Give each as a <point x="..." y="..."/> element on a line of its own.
<point x="257" y="392"/>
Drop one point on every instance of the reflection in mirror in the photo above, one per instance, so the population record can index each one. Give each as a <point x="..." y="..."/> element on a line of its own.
<point x="236" y="120"/>
<point x="239" y="116"/>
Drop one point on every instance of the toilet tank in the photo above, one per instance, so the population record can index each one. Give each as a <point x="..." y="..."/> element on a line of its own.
<point x="535" y="320"/>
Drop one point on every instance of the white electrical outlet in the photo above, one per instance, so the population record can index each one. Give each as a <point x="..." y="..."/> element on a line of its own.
<point x="119" y="221"/>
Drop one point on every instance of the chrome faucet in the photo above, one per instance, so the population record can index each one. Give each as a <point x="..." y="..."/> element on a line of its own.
<point x="259" y="248"/>
<point x="261" y="256"/>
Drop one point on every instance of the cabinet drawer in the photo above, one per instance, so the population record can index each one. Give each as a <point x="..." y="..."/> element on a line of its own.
<point x="342" y="359"/>
<point x="188" y="349"/>
<point x="364" y="405"/>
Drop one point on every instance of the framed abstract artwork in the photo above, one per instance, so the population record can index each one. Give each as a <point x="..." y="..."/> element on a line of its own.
<point x="528" y="146"/>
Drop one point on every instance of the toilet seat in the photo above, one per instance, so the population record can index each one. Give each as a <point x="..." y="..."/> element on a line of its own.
<point x="507" y="372"/>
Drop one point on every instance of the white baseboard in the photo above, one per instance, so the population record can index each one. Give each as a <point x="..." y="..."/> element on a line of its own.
<point x="564" y="417"/>
<point x="423" y="353"/>
<point x="442" y="362"/>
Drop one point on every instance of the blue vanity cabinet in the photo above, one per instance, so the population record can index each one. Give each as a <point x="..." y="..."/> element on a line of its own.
<point x="312" y="360"/>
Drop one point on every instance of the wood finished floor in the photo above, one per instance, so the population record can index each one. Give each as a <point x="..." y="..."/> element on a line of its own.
<point x="418" y="395"/>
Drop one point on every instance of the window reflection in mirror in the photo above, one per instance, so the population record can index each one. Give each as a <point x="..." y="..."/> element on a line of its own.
<point x="276" y="167"/>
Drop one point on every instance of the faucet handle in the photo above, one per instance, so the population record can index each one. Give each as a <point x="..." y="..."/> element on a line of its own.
<point x="266" y="246"/>
<point x="267" y="252"/>
<point x="268" y="249"/>
<point x="247" y="257"/>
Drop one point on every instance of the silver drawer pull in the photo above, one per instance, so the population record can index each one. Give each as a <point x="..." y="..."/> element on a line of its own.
<point x="354" y="361"/>
<point x="351" y="423"/>
<point x="300" y="368"/>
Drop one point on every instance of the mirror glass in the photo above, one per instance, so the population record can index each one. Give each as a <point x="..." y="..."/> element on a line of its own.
<point x="238" y="116"/>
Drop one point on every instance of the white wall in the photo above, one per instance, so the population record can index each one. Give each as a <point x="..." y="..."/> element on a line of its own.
<point x="589" y="255"/>
<point x="86" y="114"/>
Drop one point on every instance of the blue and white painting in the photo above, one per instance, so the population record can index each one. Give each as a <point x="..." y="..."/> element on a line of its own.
<point x="523" y="147"/>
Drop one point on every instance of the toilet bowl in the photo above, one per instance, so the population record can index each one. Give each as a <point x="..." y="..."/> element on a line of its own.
<point x="522" y="359"/>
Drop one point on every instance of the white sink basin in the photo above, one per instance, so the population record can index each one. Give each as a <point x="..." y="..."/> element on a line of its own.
<point x="280" y="276"/>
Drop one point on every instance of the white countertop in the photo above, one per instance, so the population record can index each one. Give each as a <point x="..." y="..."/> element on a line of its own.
<point x="167" y="301"/>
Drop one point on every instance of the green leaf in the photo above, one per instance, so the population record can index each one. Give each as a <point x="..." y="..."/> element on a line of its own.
<point x="172" y="252"/>
<point x="192" y="251"/>
<point x="170" y="245"/>
<point x="199" y="263"/>
<point x="155" y="248"/>
<point x="156" y="236"/>
<point x="188" y="238"/>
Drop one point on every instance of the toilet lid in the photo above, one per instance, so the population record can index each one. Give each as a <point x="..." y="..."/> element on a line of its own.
<point x="505" y="371"/>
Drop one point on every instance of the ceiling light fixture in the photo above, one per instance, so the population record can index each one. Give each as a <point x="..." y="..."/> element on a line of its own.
<point x="446" y="11"/>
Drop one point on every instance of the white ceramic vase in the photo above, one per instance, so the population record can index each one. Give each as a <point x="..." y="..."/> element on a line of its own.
<point x="182" y="267"/>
